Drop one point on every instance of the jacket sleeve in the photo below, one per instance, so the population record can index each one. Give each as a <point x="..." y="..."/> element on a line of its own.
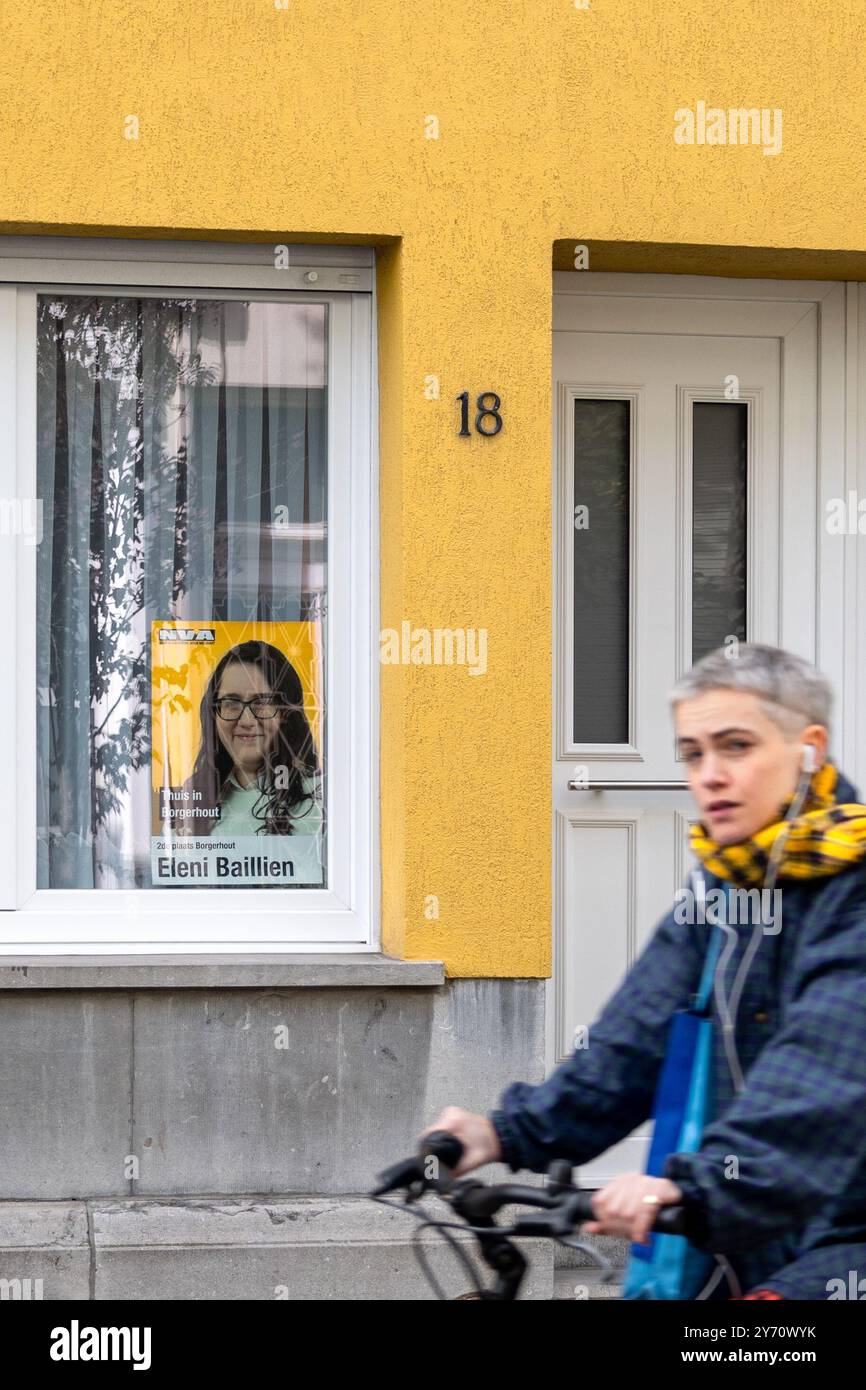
<point x="605" y="1089"/>
<point x="798" y="1128"/>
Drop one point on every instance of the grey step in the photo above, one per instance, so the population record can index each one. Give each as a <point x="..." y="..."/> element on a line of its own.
<point x="230" y="1247"/>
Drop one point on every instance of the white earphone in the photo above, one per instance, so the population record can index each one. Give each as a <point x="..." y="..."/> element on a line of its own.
<point x="808" y="759"/>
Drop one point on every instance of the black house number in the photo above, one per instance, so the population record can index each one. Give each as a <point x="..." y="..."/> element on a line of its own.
<point x="485" y="411"/>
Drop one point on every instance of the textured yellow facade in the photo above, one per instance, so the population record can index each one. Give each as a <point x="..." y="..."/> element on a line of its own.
<point x="474" y="145"/>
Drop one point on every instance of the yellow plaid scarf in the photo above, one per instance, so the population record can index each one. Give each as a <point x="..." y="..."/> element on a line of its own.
<point x="825" y="838"/>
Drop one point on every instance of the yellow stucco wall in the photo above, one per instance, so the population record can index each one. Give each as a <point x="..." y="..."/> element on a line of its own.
<point x="556" y="124"/>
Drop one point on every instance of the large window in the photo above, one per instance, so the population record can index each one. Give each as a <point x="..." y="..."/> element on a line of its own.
<point x="198" y="614"/>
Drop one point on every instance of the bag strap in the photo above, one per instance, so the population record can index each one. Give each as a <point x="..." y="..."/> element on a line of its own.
<point x="713" y="947"/>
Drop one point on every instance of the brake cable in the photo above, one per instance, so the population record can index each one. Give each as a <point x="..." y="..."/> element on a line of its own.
<point x="604" y="1266"/>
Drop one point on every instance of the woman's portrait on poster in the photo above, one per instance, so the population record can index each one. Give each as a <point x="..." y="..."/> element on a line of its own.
<point x="257" y="769"/>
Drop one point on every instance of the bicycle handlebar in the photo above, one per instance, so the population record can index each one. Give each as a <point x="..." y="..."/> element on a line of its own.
<point x="560" y="1208"/>
<point x="563" y="1205"/>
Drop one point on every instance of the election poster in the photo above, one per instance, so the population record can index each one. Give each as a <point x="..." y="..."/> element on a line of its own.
<point x="237" y="721"/>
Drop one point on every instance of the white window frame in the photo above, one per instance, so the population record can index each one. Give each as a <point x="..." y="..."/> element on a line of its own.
<point x="344" y="916"/>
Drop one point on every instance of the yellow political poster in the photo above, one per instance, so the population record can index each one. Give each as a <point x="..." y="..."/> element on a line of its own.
<point x="237" y="723"/>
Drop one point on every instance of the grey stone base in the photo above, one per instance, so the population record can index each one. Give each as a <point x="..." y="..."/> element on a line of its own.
<point x="301" y="1248"/>
<point x="182" y="1092"/>
<point x="131" y="1105"/>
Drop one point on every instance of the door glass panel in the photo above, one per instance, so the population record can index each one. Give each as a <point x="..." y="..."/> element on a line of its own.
<point x="719" y="464"/>
<point x="601" y="571"/>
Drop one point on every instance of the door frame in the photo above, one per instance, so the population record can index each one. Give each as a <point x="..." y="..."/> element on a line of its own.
<point x="840" y="309"/>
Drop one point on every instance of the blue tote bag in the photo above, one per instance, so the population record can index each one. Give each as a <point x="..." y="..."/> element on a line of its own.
<point x="670" y="1267"/>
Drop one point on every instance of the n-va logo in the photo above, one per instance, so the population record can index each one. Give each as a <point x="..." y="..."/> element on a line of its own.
<point x="187" y="634"/>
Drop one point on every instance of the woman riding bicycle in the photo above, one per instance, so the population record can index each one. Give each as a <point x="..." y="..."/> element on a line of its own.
<point x="778" y="1183"/>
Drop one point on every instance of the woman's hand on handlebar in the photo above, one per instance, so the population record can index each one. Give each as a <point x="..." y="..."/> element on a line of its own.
<point x="475" y="1132"/>
<point x="621" y="1210"/>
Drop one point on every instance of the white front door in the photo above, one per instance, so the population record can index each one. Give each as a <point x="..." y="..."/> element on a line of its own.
<point x="686" y="516"/>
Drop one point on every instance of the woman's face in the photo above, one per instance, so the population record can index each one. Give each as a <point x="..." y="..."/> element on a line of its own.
<point x="740" y="765"/>
<point x="246" y="739"/>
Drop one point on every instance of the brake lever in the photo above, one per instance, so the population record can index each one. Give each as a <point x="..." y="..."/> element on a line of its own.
<point x="560" y="1175"/>
<point x="555" y="1222"/>
<point x="407" y="1173"/>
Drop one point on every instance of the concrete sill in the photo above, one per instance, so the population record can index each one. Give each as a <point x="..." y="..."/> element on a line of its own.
<point x="277" y="971"/>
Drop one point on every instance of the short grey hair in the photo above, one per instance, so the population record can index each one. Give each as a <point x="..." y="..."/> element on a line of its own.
<point x="791" y="690"/>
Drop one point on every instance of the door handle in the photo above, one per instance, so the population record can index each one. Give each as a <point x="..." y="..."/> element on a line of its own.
<point x="575" y="786"/>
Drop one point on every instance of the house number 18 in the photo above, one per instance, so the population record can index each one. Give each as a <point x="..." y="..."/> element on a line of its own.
<point x="484" y="411"/>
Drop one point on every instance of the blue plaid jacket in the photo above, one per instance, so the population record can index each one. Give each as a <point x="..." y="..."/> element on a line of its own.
<point x="795" y="1216"/>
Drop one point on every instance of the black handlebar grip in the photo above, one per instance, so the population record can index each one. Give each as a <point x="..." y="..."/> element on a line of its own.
<point x="444" y="1147"/>
<point x="673" y="1219"/>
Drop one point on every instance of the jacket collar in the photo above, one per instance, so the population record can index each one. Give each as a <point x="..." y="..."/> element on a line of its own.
<point x="845" y="790"/>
